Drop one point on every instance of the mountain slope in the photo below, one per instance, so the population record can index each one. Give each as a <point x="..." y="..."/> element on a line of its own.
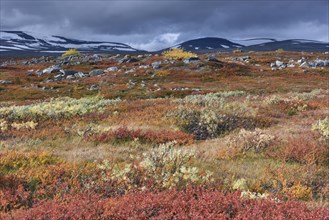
<point x="27" y="43"/>
<point x="18" y="41"/>
<point x="297" y="45"/>
<point x="256" y="44"/>
<point x="208" y="44"/>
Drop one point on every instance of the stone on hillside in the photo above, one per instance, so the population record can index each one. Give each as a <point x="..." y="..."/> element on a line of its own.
<point x="131" y="71"/>
<point x="244" y="58"/>
<point x="191" y="59"/>
<point x="58" y="77"/>
<point x="6" y="82"/>
<point x="213" y="59"/>
<point x="70" y="77"/>
<point x="321" y="63"/>
<point x="156" y="65"/>
<point x="132" y="60"/>
<point x="278" y="63"/>
<point x="96" y="72"/>
<point x="80" y="75"/>
<point x="52" y="69"/>
<point x="112" y="69"/>
<point x="93" y="87"/>
<point x="95" y="57"/>
<point x="305" y="65"/>
<point x="68" y="72"/>
<point x="144" y="67"/>
<point x="301" y="60"/>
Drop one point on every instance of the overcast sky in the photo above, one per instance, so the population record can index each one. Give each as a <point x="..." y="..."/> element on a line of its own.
<point x="155" y="24"/>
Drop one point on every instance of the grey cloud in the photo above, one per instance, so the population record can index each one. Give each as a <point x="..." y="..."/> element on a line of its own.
<point x="144" y="23"/>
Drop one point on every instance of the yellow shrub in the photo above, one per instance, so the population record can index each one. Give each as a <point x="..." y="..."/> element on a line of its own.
<point x="163" y="73"/>
<point x="3" y="125"/>
<point x="299" y="191"/>
<point x="177" y="53"/>
<point x="15" y="160"/>
<point x="237" y="51"/>
<point x="279" y="50"/>
<point x="25" y="125"/>
<point x="71" y="52"/>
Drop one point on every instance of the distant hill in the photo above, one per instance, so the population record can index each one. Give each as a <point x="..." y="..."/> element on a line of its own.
<point x="290" y="45"/>
<point x="208" y="44"/>
<point x="29" y="43"/>
<point x="212" y="44"/>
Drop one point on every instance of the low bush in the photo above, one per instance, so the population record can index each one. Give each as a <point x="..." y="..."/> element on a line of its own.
<point x="194" y="203"/>
<point x="177" y="53"/>
<point x="206" y="124"/>
<point x="246" y="141"/>
<point x="161" y="168"/>
<point x="57" y="108"/>
<point x="304" y="149"/>
<point x="323" y="127"/>
<point x="71" y="52"/>
<point x="211" y="99"/>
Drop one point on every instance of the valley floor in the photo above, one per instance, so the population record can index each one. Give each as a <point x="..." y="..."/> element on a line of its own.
<point x="221" y="136"/>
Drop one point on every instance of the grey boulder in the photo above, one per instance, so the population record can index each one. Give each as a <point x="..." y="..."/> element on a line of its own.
<point x="96" y="72"/>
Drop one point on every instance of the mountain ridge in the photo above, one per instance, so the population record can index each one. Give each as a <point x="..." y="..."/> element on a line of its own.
<point x="22" y="42"/>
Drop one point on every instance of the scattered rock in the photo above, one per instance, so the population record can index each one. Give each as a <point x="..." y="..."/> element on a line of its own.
<point x="52" y="69"/>
<point x="6" y="82"/>
<point x="244" y="58"/>
<point x="58" y="77"/>
<point x="70" y="77"/>
<point x="321" y="63"/>
<point x="93" y="87"/>
<point x="112" y="69"/>
<point x="305" y="65"/>
<point x="278" y="63"/>
<point x="96" y="72"/>
<point x="144" y="67"/>
<point x="212" y="59"/>
<point x="132" y="60"/>
<point x="131" y="71"/>
<point x="191" y="59"/>
<point x="68" y="72"/>
<point x="156" y="65"/>
<point x="80" y="75"/>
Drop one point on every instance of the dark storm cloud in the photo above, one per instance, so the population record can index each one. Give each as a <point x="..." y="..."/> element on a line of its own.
<point x="154" y="24"/>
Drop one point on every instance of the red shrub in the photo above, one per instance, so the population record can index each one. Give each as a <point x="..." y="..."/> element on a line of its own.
<point x="204" y="204"/>
<point x="302" y="149"/>
<point x="197" y="203"/>
<point x="80" y="206"/>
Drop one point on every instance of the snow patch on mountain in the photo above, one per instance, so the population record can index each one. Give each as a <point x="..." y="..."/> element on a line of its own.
<point x="30" y="41"/>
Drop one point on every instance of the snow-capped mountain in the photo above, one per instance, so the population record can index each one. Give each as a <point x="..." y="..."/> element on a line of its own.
<point x="208" y="44"/>
<point x="297" y="45"/>
<point x="30" y="43"/>
<point x="256" y="44"/>
<point x="254" y="41"/>
<point x="22" y="42"/>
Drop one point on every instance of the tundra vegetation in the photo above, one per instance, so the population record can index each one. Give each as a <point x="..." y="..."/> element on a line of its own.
<point x="164" y="136"/>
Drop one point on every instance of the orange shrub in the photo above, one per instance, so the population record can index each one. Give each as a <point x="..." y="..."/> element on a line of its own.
<point x="302" y="149"/>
